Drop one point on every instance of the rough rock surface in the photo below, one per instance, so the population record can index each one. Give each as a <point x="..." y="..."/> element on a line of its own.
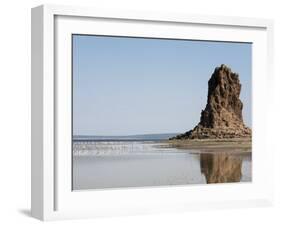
<point x="222" y="117"/>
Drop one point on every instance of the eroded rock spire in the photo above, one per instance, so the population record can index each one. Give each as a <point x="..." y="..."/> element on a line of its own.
<point x="222" y="116"/>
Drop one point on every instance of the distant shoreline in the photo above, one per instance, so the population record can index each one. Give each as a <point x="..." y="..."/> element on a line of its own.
<point x="138" y="137"/>
<point x="119" y="140"/>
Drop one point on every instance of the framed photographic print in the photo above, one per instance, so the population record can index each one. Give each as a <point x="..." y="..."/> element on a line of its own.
<point x="138" y="112"/>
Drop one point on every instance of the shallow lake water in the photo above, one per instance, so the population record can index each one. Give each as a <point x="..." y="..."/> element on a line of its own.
<point x="116" y="164"/>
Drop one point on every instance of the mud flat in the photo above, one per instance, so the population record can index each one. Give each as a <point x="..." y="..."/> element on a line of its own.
<point x="239" y="144"/>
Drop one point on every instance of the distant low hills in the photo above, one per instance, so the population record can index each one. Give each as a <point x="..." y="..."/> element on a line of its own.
<point x="139" y="137"/>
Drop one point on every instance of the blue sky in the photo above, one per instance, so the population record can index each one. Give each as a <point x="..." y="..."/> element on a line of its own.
<point x="126" y="86"/>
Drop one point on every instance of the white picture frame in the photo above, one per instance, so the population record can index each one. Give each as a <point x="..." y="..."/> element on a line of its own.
<point x="52" y="197"/>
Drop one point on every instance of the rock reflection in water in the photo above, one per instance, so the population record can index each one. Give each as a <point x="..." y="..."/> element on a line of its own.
<point x="221" y="167"/>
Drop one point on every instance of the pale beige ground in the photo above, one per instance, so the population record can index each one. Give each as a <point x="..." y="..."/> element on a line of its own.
<point x="241" y="144"/>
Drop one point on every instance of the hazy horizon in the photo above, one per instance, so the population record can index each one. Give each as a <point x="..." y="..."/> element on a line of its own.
<point x="136" y="86"/>
<point x="93" y="135"/>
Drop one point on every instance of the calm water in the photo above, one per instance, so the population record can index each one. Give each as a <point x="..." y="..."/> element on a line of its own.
<point x="114" y="164"/>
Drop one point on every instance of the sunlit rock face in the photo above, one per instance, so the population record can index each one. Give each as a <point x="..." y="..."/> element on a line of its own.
<point x="222" y="116"/>
<point x="221" y="168"/>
